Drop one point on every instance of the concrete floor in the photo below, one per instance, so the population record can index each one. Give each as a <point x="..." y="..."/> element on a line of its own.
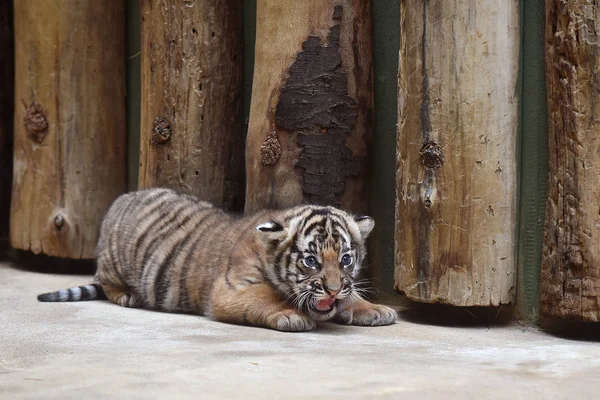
<point x="99" y="350"/>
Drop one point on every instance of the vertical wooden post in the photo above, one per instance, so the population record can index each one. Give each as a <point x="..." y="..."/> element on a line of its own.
<point x="69" y="161"/>
<point x="570" y="280"/>
<point x="191" y="129"/>
<point x="310" y="119"/>
<point x="456" y="154"/>
<point x="6" y="114"/>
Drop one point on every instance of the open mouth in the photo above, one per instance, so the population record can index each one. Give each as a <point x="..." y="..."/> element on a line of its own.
<point x="324" y="306"/>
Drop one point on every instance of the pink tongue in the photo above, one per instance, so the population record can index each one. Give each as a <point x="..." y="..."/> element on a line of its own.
<point x="323" y="305"/>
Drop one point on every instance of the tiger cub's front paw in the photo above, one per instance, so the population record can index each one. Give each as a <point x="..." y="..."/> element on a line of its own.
<point x="290" y="321"/>
<point x="368" y="315"/>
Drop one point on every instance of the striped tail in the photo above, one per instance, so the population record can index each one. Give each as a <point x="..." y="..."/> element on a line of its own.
<point x="93" y="291"/>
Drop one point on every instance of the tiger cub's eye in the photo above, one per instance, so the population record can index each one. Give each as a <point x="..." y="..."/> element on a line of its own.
<point x="310" y="262"/>
<point x="346" y="260"/>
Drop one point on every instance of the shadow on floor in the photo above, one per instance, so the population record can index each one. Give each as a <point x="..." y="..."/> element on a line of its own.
<point x="468" y="317"/>
<point x="26" y="261"/>
<point x="446" y="315"/>
<point x="485" y="317"/>
<point x="571" y="330"/>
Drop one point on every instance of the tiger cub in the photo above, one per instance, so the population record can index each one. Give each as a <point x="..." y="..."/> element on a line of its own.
<point x="282" y="270"/>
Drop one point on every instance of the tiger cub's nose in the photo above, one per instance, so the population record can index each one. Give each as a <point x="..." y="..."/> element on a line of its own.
<point x="332" y="291"/>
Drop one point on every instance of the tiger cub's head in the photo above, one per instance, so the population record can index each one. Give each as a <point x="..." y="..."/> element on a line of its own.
<point x="315" y="254"/>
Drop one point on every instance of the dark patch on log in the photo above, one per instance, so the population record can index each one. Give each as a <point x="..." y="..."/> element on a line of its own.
<point x="36" y="123"/>
<point x="314" y="104"/>
<point x="161" y="131"/>
<point x="327" y="162"/>
<point x="431" y="155"/>
<point x="270" y="150"/>
<point x="337" y="13"/>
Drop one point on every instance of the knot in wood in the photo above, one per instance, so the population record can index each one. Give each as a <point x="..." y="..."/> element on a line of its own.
<point x="161" y="131"/>
<point x="35" y="122"/>
<point x="270" y="150"/>
<point x="574" y="257"/>
<point x="431" y="155"/>
<point x="59" y="221"/>
<point x="337" y="12"/>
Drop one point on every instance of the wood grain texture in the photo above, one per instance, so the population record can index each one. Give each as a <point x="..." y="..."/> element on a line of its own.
<point x="570" y="278"/>
<point x="6" y="114"/>
<point x="191" y="129"/>
<point x="310" y="123"/>
<point x="69" y="151"/>
<point x="456" y="151"/>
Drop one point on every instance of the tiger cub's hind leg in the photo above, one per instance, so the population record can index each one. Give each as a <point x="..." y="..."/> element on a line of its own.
<point x="121" y="296"/>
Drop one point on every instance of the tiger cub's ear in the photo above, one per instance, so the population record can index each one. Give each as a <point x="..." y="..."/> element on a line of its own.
<point x="271" y="230"/>
<point x="365" y="225"/>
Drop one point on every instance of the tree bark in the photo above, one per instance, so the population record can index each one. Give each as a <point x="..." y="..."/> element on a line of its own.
<point x="69" y="161"/>
<point x="191" y="131"/>
<point x="456" y="151"/>
<point x="570" y="279"/>
<point x="6" y="114"/>
<point x="310" y="120"/>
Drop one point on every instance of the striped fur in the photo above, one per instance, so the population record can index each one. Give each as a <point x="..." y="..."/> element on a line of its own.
<point x="93" y="291"/>
<point x="278" y="269"/>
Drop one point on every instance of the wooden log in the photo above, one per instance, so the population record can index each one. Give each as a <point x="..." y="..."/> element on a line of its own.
<point x="310" y="120"/>
<point x="69" y="161"/>
<point x="6" y="114"/>
<point x="570" y="277"/>
<point x="192" y="129"/>
<point x="456" y="158"/>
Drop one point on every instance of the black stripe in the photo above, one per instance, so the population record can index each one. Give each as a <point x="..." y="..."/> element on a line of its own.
<point x="160" y="202"/>
<point x="227" y="281"/>
<point x="183" y="295"/>
<point x="262" y="269"/>
<point x="111" y="255"/>
<point x="335" y="235"/>
<point x="266" y="276"/>
<point x="335" y="223"/>
<point x="164" y="219"/>
<point x="125" y="212"/>
<point x="85" y="293"/>
<point x="231" y="251"/>
<point x="277" y="265"/>
<point x="159" y="237"/>
<point x="122" y="263"/>
<point x="318" y="212"/>
<point x="161" y="288"/>
<point x="288" y="261"/>
<point x="305" y="219"/>
<point x="100" y="294"/>
<point x="313" y="226"/>
<point x="167" y="261"/>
